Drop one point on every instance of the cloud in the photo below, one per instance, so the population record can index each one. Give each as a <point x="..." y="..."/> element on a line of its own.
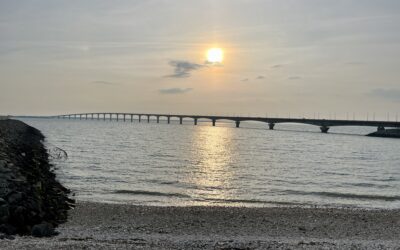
<point x="182" y="69"/>
<point x="174" y="91"/>
<point x="260" y="77"/>
<point x="355" y="63"/>
<point x="214" y="64"/>
<point x="294" y="78"/>
<point x="104" y="83"/>
<point x="276" y="66"/>
<point x="245" y="79"/>
<point x="389" y="94"/>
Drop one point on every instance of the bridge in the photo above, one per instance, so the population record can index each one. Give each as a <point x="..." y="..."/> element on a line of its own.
<point x="323" y="124"/>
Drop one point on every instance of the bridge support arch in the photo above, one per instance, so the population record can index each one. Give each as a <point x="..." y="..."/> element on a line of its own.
<point x="271" y="125"/>
<point x="324" y="129"/>
<point x="195" y="121"/>
<point x="213" y="122"/>
<point x="237" y="123"/>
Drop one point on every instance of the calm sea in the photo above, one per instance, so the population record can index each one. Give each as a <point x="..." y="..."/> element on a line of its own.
<point x="172" y="164"/>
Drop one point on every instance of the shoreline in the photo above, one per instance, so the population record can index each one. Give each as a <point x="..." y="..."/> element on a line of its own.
<point x="105" y="226"/>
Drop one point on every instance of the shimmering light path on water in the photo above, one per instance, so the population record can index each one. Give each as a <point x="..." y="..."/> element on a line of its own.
<point x="160" y="164"/>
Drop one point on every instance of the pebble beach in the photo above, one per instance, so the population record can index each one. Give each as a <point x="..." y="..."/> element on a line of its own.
<point x="122" y="226"/>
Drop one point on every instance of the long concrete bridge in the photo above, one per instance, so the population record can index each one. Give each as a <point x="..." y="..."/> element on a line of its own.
<point x="324" y="124"/>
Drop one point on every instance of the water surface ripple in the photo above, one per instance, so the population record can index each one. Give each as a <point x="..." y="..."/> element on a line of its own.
<point x="161" y="164"/>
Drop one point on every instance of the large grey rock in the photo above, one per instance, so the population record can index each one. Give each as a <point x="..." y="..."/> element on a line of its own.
<point x="43" y="230"/>
<point x="4" y="213"/>
<point x="15" y="198"/>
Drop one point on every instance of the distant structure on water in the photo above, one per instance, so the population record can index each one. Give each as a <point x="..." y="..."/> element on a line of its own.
<point x="324" y="124"/>
<point x="5" y="117"/>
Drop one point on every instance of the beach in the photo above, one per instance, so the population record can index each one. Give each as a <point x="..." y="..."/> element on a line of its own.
<point x="122" y="226"/>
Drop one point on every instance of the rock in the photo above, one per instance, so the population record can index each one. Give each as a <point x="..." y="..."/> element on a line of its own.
<point x="43" y="230"/>
<point x="7" y="229"/>
<point x="4" y="213"/>
<point x="3" y="163"/>
<point x="19" y="215"/>
<point x="4" y="169"/>
<point x="30" y="195"/>
<point x="14" y="198"/>
<point x="7" y="237"/>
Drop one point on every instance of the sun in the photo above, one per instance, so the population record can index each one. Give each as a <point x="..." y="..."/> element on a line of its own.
<point x="215" y="55"/>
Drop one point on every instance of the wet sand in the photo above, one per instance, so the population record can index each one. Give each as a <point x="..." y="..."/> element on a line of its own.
<point x="113" y="226"/>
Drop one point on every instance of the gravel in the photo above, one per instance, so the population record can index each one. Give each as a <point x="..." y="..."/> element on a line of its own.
<point x="122" y="226"/>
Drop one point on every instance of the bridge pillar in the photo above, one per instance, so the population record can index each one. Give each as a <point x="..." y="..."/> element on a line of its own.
<point x="381" y="128"/>
<point x="271" y="125"/>
<point x="168" y="119"/>
<point x="69" y="117"/>
<point x="117" y="117"/>
<point x="213" y="122"/>
<point x="195" y="121"/>
<point x="131" y="118"/>
<point x="148" y="119"/>
<point x="80" y="117"/>
<point x="140" y="118"/>
<point x="124" y="118"/>
<point x="104" y="116"/>
<point x="158" y="119"/>
<point x="237" y="123"/>
<point x="324" y="129"/>
<point x="110" y="117"/>
<point x="180" y="120"/>
<point x="92" y="116"/>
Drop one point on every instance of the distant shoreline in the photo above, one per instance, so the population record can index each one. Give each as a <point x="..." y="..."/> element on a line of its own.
<point x="389" y="133"/>
<point x="100" y="225"/>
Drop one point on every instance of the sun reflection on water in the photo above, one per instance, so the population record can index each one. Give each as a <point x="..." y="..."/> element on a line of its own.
<point x="211" y="172"/>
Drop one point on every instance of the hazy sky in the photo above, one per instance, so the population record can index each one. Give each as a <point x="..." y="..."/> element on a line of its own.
<point x="299" y="57"/>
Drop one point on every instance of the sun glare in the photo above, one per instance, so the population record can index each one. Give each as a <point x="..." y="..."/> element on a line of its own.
<point x="215" y="55"/>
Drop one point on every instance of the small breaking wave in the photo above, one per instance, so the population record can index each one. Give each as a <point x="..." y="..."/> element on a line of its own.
<point x="349" y="195"/>
<point x="249" y="201"/>
<point x="151" y="193"/>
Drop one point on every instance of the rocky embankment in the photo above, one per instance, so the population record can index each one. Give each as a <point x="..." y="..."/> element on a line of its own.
<point x="32" y="201"/>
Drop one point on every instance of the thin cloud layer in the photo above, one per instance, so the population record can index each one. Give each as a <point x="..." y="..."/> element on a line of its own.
<point x="174" y="91"/>
<point x="260" y="77"/>
<point x="388" y="94"/>
<point x="104" y="83"/>
<point x="183" y="69"/>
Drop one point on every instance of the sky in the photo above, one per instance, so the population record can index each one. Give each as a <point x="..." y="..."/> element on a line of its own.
<point x="281" y="58"/>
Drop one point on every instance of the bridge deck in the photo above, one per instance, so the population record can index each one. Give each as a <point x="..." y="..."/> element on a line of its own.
<point x="324" y="124"/>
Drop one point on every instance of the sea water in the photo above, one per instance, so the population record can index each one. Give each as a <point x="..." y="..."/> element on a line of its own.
<point x="180" y="165"/>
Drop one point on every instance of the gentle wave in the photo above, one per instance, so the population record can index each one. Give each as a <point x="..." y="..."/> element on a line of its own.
<point x="348" y="195"/>
<point x="249" y="201"/>
<point x="150" y="193"/>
